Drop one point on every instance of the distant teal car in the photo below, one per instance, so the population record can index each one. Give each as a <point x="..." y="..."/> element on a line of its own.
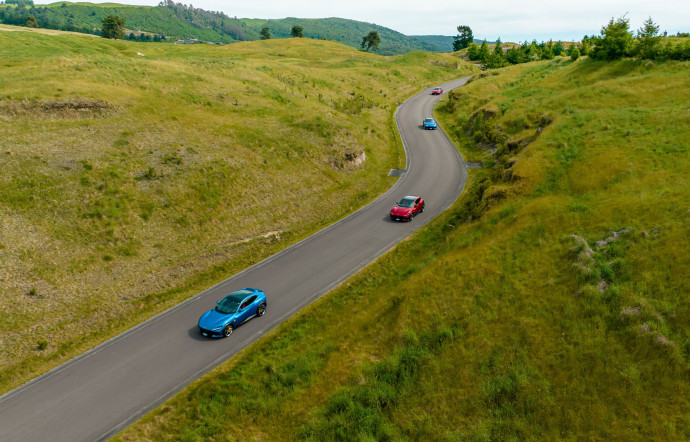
<point x="429" y="123"/>
<point x="232" y="311"/>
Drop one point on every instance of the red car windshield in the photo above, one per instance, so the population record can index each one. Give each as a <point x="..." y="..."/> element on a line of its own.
<point x="406" y="202"/>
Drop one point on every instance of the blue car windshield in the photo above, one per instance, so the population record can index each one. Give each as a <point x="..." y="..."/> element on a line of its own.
<point x="429" y="120"/>
<point x="230" y="303"/>
<point x="406" y="202"/>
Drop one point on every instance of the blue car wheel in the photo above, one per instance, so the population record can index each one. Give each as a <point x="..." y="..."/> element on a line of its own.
<point x="227" y="331"/>
<point x="261" y="310"/>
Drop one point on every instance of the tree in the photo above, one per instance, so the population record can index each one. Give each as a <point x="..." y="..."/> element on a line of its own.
<point x="297" y="31"/>
<point x="498" y="49"/>
<point x="473" y="51"/>
<point x="615" y="41"/>
<point x="484" y="53"/>
<point x="574" y="54"/>
<point x="265" y="33"/>
<point x="547" y="50"/>
<point x="496" y="59"/>
<point x="31" y="22"/>
<point x="371" y="41"/>
<point x="113" y="27"/>
<point x="648" y="40"/>
<point x="533" y="51"/>
<point x="585" y="45"/>
<point x="463" y="39"/>
<point x="516" y="55"/>
<point x="558" y="48"/>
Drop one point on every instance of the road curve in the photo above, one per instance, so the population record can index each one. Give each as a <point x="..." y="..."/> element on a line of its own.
<point x="99" y="393"/>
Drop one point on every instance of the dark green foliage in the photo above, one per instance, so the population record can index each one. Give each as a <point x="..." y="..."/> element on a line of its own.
<point x="42" y="345"/>
<point x="558" y="48"/>
<point x="516" y="56"/>
<point x="20" y="2"/>
<point x="31" y="22"/>
<point x="615" y="41"/>
<point x="265" y="33"/>
<point x="217" y="21"/>
<point x="574" y="54"/>
<point x="296" y="31"/>
<point x="463" y="39"/>
<point x="113" y="27"/>
<point x="371" y="41"/>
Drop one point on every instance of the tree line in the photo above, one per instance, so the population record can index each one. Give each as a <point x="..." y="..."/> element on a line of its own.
<point x="615" y="41"/>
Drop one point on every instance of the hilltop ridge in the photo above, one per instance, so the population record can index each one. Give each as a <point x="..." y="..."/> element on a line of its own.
<point x="178" y="21"/>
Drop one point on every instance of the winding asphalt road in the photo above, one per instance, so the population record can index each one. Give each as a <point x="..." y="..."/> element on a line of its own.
<point x="99" y="393"/>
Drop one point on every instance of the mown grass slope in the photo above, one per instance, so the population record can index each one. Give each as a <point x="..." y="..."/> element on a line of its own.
<point x="550" y="302"/>
<point x="135" y="175"/>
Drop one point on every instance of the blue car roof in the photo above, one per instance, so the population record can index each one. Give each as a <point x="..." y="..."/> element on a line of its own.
<point x="240" y="294"/>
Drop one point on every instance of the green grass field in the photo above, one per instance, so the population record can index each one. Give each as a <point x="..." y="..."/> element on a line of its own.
<point x="550" y="302"/>
<point x="136" y="175"/>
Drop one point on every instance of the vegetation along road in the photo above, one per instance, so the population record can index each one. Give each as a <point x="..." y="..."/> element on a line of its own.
<point x="99" y="393"/>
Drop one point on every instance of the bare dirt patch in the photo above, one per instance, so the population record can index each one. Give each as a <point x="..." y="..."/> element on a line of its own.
<point x="78" y="107"/>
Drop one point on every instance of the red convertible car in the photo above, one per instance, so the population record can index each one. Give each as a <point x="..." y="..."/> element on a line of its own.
<point x="407" y="208"/>
<point x="436" y="91"/>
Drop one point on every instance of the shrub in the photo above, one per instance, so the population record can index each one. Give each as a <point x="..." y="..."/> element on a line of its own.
<point x="615" y="41"/>
<point x="574" y="54"/>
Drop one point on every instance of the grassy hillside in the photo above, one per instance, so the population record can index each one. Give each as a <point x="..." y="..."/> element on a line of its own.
<point x="136" y="175"/>
<point x="550" y="302"/>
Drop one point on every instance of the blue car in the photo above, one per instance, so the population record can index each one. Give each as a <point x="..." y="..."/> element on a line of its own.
<point x="429" y="123"/>
<point x="235" y="309"/>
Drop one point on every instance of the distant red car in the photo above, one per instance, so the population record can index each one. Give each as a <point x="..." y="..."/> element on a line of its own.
<point x="436" y="91"/>
<point x="407" y="208"/>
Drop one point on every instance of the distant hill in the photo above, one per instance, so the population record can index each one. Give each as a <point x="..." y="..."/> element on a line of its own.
<point x="349" y="32"/>
<point x="443" y="42"/>
<point x="174" y="20"/>
<point x="177" y="21"/>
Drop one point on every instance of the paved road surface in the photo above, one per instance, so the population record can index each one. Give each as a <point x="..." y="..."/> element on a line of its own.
<point x="99" y="393"/>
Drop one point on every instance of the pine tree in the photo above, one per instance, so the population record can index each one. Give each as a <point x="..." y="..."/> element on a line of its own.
<point x="484" y="53"/>
<point x="498" y="49"/>
<point x="265" y="33"/>
<point x="648" y="40"/>
<point x="463" y="39"/>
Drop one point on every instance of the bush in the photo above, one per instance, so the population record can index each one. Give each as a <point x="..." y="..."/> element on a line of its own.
<point x="615" y="41"/>
<point x="574" y="54"/>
